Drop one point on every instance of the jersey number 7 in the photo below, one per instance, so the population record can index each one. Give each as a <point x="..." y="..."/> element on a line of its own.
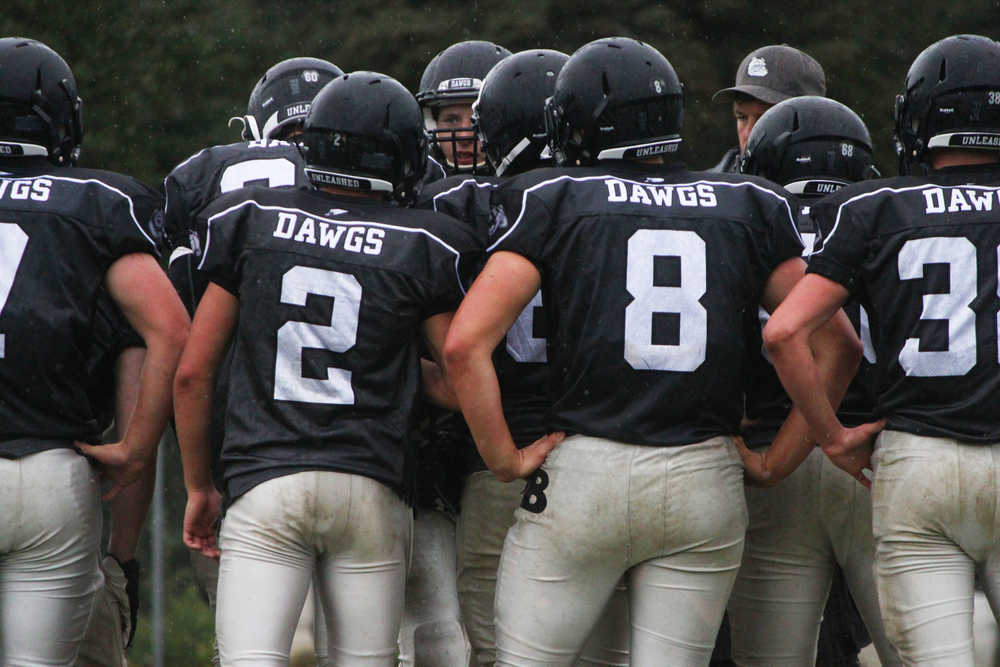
<point x="13" y="241"/>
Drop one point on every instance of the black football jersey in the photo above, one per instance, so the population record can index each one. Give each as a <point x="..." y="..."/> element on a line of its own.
<point x="767" y="403"/>
<point x="465" y="198"/>
<point x="433" y="172"/>
<point x="647" y="274"/>
<point x="60" y="231"/>
<point x="921" y="256"/>
<point x="203" y="177"/>
<point x="324" y="371"/>
<point x="520" y="358"/>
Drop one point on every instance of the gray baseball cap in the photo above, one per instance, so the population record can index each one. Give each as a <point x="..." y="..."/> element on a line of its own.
<point x="775" y="73"/>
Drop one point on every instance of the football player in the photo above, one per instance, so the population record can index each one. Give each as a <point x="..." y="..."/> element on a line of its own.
<point x="509" y="119"/>
<point x="448" y="87"/>
<point x="766" y="76"/>
<point x="278" y="104"/>
<point x="432" y="630"/>
<point x="920" y="252"/>
<point x="649" y="268"/>
<point x="323" y="295"/>
<point x="114" y="368"/>
<point x="67" y="233"/>
<point x="818" y="518"/>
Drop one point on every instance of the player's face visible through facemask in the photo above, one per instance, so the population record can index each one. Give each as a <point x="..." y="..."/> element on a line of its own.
<point x="456" y="138"/>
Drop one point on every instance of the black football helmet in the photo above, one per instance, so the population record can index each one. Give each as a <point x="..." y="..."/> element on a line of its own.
<point x="40" y="110"/>
<point x="950" y="100"/>
<point x="282" y="96"/>
<point x="455" y="76"/>
<point x="615" y="98"/>
<point x="365" y="132"/>
<point x="509" y="115"/>
<point x="811" y="145"/>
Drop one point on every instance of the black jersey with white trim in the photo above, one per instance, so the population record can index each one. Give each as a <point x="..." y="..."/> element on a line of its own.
<point x="520" y="358"/>
<point x="466" y="198"/>
<point x="60" y="231"/>
<point x="333" y="293"/>
<point x="434" y="171"/>
<point x="204" y="176"/>
<point x="647" y="273"/>
<point x="920" y="253"/>
<point x="767" y="403"/>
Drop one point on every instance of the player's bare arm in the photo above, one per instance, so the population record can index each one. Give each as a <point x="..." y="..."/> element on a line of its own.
<point x="151" y="305"/>
<point x="434" y="382"/>
<point x="812" y="304"/>
<point x="213" y="326"/>
<point x="129" y="508"/>
<point x="503" y="289"/>
<point x="835" y="350"/>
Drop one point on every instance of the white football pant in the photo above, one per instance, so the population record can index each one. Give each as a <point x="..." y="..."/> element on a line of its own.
<point x="799" y="531"/>
<point x="431" y="634"/>
<point x="672" y="518"/>
<point x="50" y="533"/>
<point x="353" y="531"/>
<point x="936" y="520"/>
<point x="488" y="507"/>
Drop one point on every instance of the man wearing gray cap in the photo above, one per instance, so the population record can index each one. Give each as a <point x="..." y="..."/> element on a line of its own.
<point x="767" y="75"/>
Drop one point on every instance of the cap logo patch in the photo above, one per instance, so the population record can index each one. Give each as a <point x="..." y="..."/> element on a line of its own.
<point x="757" y="67"/>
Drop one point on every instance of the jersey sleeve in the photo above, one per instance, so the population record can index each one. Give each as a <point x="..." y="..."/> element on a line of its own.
<point x="520" y="222"/>
<point x="177" y="213"/>
<point x="135" y="222"/>
<point x="785" y="241"/>
<point x="224" y="221"/>
<point x="841" y="243"/>
<point x="457" y="270"/>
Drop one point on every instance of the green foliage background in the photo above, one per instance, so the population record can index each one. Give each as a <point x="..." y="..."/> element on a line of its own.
<point x="160" y="80"/>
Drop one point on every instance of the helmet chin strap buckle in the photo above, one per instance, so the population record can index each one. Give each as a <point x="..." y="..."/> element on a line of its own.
<point x="512" y="155"/>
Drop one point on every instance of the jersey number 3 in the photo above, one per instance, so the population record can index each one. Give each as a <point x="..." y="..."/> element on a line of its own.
<point x="13" y="241"/>
<point x="339" y="336"/>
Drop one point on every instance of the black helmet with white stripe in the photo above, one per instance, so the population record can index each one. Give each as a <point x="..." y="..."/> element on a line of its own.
<point x="454" y="76"/>
<point x="615" y="98"/>
<point x="364" y="132"/>
<point x="509" y="115"/>
<point x="951" y="99"/>
<point x="40" y="110"/>
<point x="281" y="98"/>
<point x="811" y="145"/>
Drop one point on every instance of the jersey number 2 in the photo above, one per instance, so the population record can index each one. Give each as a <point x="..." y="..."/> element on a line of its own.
<point x="339" y="336"/>
<point x="13" y="241"/>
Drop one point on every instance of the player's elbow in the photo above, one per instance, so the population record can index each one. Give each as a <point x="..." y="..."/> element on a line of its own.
<point x="778" y="336"/>
<point x="190" y="379"/>
<point x="458" y="352"/>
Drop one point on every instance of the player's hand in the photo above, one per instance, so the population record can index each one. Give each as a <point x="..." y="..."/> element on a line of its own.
<point x="200" y="516"/>
<point x="115" y="463"/>
<point x="526" y="461"/>
<point x="755" y="470"/>
<point x="851" y="450"/>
